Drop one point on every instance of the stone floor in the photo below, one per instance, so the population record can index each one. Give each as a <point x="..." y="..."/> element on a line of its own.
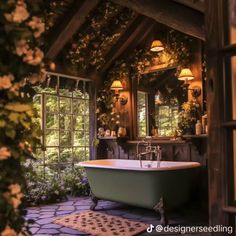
<point x="45" y="215"/>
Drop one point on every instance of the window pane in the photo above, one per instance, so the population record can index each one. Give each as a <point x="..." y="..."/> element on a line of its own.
<point x="51" y="156"/>
<point x="65" y="138"/>
<point x="65" y="122"/>
<point x="79" y="123"/>
<point x="80" y="154"/>
<point x="52" y="138"/>
<point x="232" y="19"/>
<point x="80" y="106"/>
<point x="65" y="105"/>
<point x="233" y="71"/>
<point x="51" y="121"/>
<point x="167" y="119"/>
<point x="79" y="139"/>
<point x="66" y="155"/>
<point x="39" y="154"/>
<point x="51" y="103"/>
<point x="142" y="113"/>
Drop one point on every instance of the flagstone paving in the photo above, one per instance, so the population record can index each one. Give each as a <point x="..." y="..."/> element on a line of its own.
<point x="44" y="216"/>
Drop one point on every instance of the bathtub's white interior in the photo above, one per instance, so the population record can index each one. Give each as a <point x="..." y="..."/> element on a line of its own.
<point x="135" y="164"/>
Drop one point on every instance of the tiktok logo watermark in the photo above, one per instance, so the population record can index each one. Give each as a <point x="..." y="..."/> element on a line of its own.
<point x="190" y="229"/>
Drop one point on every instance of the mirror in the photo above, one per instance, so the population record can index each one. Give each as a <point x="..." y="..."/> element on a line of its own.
<point x="159" y="98"/>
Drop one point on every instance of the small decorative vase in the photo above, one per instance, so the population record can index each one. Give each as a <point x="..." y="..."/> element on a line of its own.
<point x="107" y="133"/>
<point x="101" y="132"/>
<point x="113" y="133"/>
<point x="122" y="132"/>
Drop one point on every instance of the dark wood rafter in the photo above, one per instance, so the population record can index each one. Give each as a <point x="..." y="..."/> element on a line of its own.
<point x="72" y="22"/>
<point x="168" y="12"/>
<point x="139" y="26"/>
<point x="198" y="5"/>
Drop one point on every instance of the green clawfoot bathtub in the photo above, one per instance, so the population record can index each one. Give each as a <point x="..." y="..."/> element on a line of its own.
<point x="126" y="182"/>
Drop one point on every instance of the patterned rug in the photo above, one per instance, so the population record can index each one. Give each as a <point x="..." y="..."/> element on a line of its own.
<point x="100" y="224"/>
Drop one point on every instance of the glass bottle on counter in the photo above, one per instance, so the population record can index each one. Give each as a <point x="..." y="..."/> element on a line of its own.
<point x="198" y="128"/>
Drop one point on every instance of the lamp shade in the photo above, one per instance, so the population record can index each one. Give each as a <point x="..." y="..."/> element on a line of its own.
<point x="157" y="46"/>
<point x="116" y="85"/>
<point x="186" y="74"/>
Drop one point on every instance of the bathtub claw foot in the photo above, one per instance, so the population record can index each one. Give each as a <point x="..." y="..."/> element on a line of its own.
<point x="94" y="201"/>
<point x="160" y="207"/>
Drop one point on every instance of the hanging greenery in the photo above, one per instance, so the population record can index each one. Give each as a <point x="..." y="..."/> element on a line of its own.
<point x="102" y="29"/>
<point x="177" y="53"/>
<point x="55" y="11"/>
<point x="21" y="27"/>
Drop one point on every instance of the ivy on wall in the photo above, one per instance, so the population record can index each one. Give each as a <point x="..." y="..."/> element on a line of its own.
<point x="21" y="27"/>
<point x="177" y="53"/>
<point x="102" y="29"/>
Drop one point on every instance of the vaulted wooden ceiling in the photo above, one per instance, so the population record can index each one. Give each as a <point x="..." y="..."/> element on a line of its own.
<point x="186" y="16"/>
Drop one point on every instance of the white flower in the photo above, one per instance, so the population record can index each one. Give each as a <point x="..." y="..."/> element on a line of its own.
<point x="4" y="153"/>
<point x="37" y="25"/>
<point x="20" y="13"/>
<point x="8" y="232"/>
<point x="5" y="81"/>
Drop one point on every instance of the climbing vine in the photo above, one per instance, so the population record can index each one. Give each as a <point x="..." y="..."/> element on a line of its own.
<point x="177" y="53"/>
<point x="21" y="65"/>
<point x="103" y="27"/>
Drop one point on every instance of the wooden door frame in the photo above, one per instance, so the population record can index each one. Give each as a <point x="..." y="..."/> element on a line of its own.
<point x="218" y="163"/>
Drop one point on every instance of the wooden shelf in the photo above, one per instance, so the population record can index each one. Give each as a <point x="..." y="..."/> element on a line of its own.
<point x="159" y="141"/>
<point x="189" y="136"/>
<point x="108" y="138"/>
<point x="157" y="68"/>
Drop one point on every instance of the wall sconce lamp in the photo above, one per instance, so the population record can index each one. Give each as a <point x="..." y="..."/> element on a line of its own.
<point x="187" y="75"/>
<point x="157" y="46"/>
<point x="117" y="86"/>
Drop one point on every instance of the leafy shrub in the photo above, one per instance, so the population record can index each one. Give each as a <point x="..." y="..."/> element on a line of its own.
<point x="76" y="182"/>
<point x="44" y="188"/>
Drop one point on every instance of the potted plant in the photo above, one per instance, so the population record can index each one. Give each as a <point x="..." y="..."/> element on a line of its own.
<point x="188" y="117"/>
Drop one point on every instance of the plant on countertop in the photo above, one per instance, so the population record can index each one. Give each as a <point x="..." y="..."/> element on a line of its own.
<point x="21" y="26"/>
<point x="107" y="114"/>
<point x="188" y="116"/>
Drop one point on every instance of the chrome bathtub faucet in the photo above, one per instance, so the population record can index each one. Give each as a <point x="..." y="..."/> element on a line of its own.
<point x="149" y="150"/>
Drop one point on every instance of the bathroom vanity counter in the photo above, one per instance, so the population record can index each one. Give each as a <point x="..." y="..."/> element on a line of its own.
<point x="159" y="141"/>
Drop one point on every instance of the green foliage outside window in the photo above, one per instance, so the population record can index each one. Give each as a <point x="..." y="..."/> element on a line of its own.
<point x="142" y="114"/>
<point x="166" y="117"/>
<point x="65" y="125"/>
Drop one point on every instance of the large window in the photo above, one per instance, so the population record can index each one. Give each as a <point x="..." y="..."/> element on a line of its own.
<point x="142" y="121"/>
<point x="64" y="107"/>
<point x="166" y="118"/>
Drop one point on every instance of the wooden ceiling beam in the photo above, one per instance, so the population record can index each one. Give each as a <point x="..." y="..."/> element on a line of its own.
<point x="134" y="32"/>
<point x="170" y="13"/>
<point x="198" y="5"/>
<point x="70" y="25"/>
